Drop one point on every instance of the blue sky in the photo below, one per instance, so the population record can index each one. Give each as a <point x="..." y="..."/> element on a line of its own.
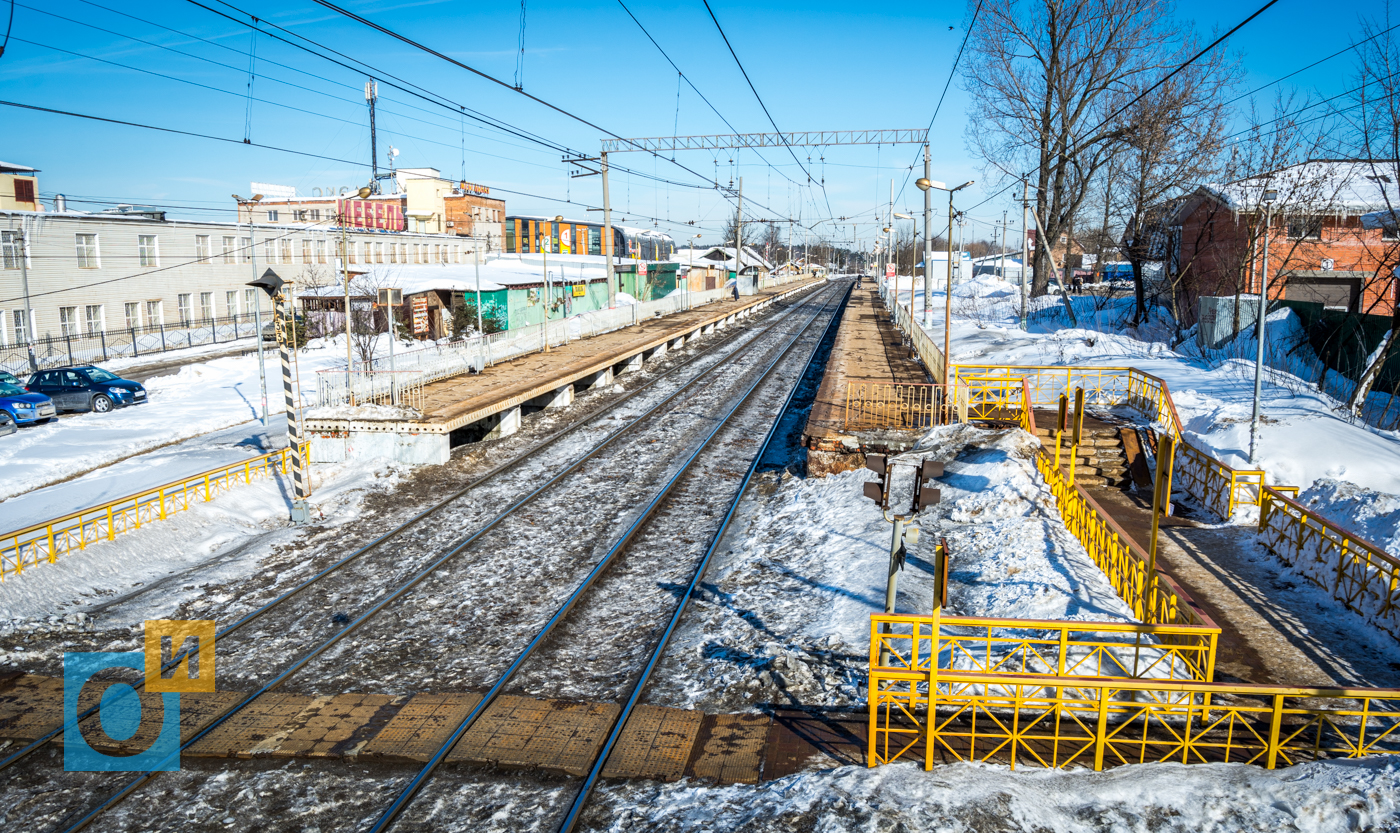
<point x="818" y="65"/>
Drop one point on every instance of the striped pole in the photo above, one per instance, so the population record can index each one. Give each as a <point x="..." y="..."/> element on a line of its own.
<point x="284" y="324"/>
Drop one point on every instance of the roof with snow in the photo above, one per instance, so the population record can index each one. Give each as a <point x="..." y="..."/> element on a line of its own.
<point x="11" y="168"/>
<point x="1328" y="186"/>
<point x="719" y="256"/>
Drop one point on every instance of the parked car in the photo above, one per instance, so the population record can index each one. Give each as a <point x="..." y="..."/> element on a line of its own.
<point x="86" y="389"/>
<point x="10" y="379"/>
<point x="23" y="407"/>
<point x="7" y="424"/>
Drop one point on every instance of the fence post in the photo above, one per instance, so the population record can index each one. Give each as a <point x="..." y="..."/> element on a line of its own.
<point x="214" y="330"/>
<point x="111" y="533"/>
<point x="135" y="348"/>
<point x="68" y="339"/>
<point x="1101" y="730"/>
<point x="206" y="489"/>
<point x="1274" y="724"/>
<point x="163" y="348"/>
<point x="161" y="493"/>
<point x="53" y="554"/>
<point x="102" y="334"/>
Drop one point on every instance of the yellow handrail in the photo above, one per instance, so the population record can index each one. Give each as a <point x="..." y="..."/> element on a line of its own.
<point x="46" y="541"/>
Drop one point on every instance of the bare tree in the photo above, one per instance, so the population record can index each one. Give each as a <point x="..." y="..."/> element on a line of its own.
<point x="1172" y="139"/>
<point x="1045" y="77"/>
<point x="1376" y="137"/>
<point x="750" y="232"/>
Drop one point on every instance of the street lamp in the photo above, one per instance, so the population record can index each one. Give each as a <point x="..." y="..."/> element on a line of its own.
<point x="1269" y="196"/>
<point x="925" y="184"/>
<point x="257" y="304"/>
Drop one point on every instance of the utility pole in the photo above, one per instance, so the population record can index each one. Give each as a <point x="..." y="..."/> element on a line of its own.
<point x="371" y="94"/>
<point x="1025" y="249"/>
<point x="544" y="324"/>
<point x="1001" y="252"/>
<point x="283" y="322"/>
<point x="1269" y="197"/>
<point x="739" y="235"/>
<point x="928" y="239"/>
<point x="29" y="312"/>
<point x="345" y="273"/>
<point x="257" y="312"/>
<point x="607" y="235"/>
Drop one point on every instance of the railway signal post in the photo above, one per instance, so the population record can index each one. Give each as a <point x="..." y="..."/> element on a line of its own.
<point x="283" y="321"/>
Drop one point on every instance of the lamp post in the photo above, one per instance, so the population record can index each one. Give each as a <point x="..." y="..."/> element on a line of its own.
<point x="925" y="184"/>
<point x="257" y="305"/>
<point x="1269" y="196"/>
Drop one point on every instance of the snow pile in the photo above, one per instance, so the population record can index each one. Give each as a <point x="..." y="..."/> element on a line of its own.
<point x="784" y="617"/>
<point x="1373" y="515"/>
<point x="368" y="412"/>
<point x="1340" y="796"/>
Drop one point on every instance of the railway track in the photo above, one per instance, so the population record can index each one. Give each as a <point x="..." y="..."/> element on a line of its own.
<point x="432" y="540"/>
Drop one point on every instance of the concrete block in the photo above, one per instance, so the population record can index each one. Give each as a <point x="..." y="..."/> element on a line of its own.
<point x="628" y="365"/>
<point x="676" y="343"/>
<point x="409" y="448"/>
<point x="601" y="379"/>
<point x="507" y="423"/>
<point x="654" y="353"/>
<point x="558" y="398"/>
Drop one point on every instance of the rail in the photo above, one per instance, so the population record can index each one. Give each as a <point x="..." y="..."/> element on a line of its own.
<point x="401" y="388"/>
<point x="1061" y="721"/>
<point x="1359" y="574"/>
<point x="46" y="542"/>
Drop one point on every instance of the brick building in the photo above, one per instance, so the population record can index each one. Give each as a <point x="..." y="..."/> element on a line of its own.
<point x="1332" y="238"/>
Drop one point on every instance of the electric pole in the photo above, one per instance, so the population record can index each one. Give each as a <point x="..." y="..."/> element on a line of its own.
<point x="608" y="234"/>
<point x="928" y="239"/>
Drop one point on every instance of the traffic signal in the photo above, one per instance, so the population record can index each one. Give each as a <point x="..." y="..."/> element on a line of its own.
<point x="924" y="495"/>
<point x="878" y="490"/>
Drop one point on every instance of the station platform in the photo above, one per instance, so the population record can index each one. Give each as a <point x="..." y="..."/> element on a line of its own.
<point x="869" y="351"/>
<point x="489" y="403"/>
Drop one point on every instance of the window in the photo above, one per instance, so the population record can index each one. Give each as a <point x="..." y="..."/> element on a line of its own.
<point x="1305" y="228"/>
<point x="94" y="319"/>
<point x="315" y="215"/>
<point x="285" y="244"/>
<point x="87" y="251"/>
<point x="352" y="251"/>
<point x="250" y="300"/>
<point x="228" y="249"/>
<point x="133" y="315"/>
<point x="378" y="252"/>
<point x="24" y="190"/>
<point x="320" y="251"/>
<point x="206" y="305"/>
<point x="155" y="314"/>
<point x="403" y="253"/>
<point x="272" y="216"/>
<point x="146" y="244"/>
<point x="183" y="304"/>
<point x="306" y="251"/>
<point x="393" y="253"/>
<point x="68" y="320"/>
<point x="245" y="248"/>
<point x="20" y="327"/>
<point x="231" y="302"/>
<point x="201" y="247"/>
<point x="367" y="252"/>
<point x="10" y="249"/>
<point x="270" y="251"/>
<point x="1389" y="231"/>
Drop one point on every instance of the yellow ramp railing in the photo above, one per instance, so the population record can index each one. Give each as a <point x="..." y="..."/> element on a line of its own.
<point x="46" y="542"/>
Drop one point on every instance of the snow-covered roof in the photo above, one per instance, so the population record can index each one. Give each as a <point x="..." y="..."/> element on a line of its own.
<point x="1324" y="186"/>
<point x="11" y="168"/>
<point x="719" y="256"/>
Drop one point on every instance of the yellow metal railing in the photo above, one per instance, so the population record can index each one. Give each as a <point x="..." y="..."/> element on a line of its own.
<point x="1042" y="646"/>
<point x="928" y="352"/>
<point x="1356" y="572"/>
<point x="872" y="405"/>
<point x="46" y="542"/>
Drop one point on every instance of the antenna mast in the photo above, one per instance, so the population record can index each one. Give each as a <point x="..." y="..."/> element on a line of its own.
<point x="371" y="95"/>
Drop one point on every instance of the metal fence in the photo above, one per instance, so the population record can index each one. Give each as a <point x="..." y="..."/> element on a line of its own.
<point x="60" y="351"/>
<point x="47" y="541"/>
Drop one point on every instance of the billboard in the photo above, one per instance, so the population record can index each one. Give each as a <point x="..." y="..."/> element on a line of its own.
<point x="383" y="215"/>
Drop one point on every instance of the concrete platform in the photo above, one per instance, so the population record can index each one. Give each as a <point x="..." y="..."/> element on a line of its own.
<point x="868" y="349"/>
<point x="490" y="402"/>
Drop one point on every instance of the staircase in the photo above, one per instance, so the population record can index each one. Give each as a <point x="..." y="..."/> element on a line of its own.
<point x="1101" y="459"/>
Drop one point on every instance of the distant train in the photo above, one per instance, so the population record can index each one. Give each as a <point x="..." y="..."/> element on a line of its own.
<point x="527" y="235"/>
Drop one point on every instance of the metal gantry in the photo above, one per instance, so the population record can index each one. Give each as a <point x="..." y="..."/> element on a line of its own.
<point x="809" y="138"/>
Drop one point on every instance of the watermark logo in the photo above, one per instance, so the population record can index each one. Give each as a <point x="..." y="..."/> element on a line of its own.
<point x="140" y="732"/>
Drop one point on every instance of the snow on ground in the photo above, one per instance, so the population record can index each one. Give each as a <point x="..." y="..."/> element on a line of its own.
<point x="785" y="612"/>
<point x="199" y="399"/>
<point x="219" y="532"/>
<point x="971" y="798"/>
<point x="1302" y="440"/>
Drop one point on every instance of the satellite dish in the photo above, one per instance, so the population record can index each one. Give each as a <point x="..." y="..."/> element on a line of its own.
<point x="393" y="151"/>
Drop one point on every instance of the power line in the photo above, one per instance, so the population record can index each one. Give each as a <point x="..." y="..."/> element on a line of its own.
<point x="760" y="101"/>
<point x="1311" y="65"/>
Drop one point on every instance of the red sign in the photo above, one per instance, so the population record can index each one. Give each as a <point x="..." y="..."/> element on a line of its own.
<point x="371" y="214"/>
<point x="889" y="270"/>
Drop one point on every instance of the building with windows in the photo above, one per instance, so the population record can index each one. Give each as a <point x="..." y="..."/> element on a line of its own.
<point x="533" y="235"/>
<point x="133" y="269"/>
<point x="1334" y="238"/>
<point x="19" y="188"/>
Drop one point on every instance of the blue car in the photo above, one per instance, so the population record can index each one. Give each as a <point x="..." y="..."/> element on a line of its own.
<point x="25" y="408"/>
<point x="86" y="389"/>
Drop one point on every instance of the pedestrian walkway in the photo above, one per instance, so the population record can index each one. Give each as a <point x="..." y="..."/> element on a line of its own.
<point x="869" y="351"/>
